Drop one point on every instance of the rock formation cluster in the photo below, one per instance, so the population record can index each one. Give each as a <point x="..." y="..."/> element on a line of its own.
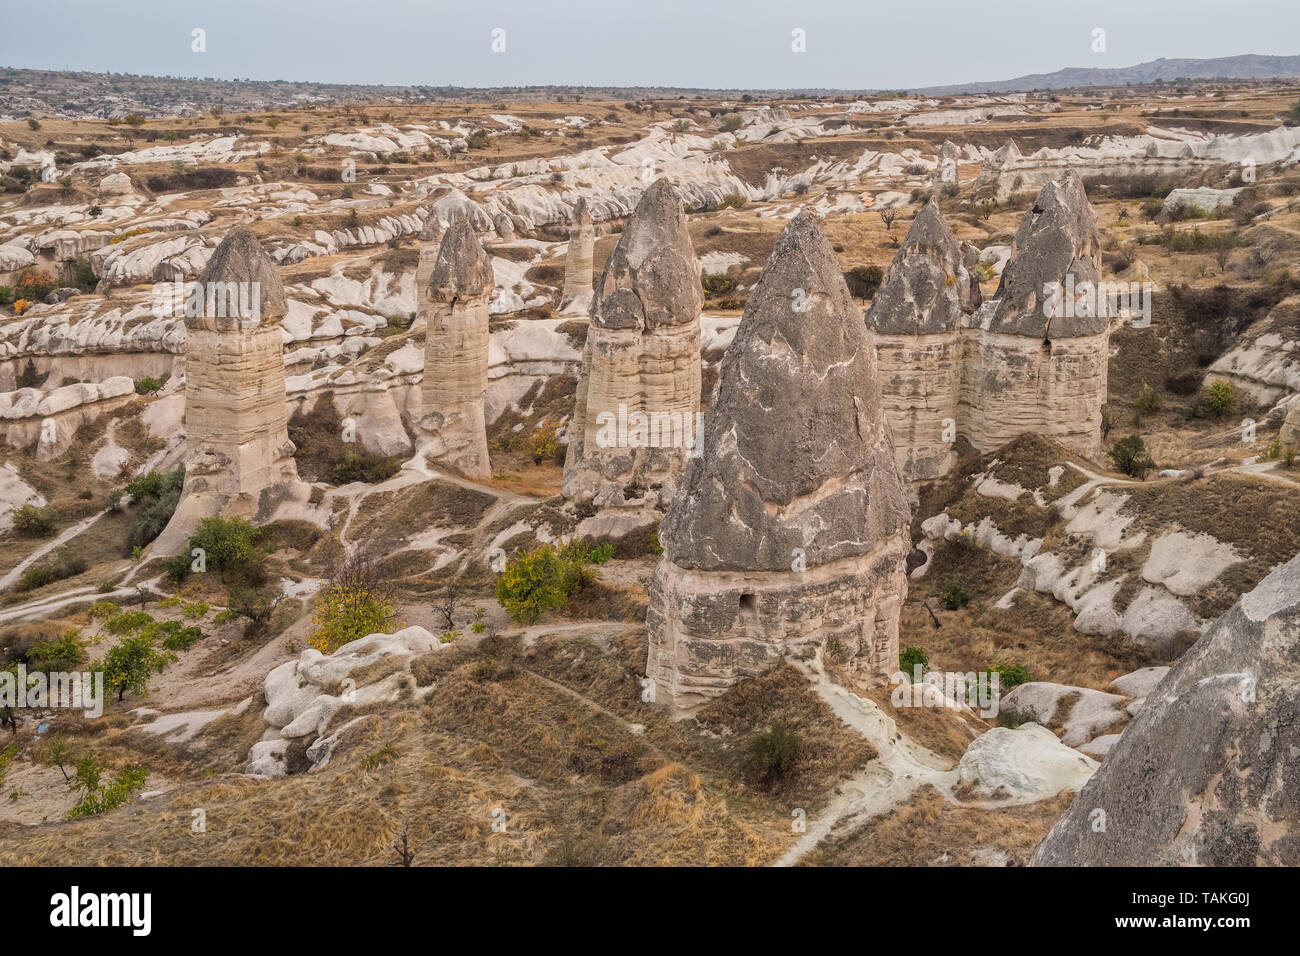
<point x="638" y="397"/>
<point x="788" y="537"/>
<point x="238" y="456"/>
<point x="1208" y="773"/>
<point x="453" y="433"/>
<point x="1018" y="363"/>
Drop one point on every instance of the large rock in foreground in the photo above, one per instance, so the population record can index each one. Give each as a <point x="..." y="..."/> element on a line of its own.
<point x="1209" y="771"/>
<point x="788" y="536"/>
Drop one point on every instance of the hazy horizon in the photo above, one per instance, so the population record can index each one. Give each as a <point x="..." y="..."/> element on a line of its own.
<point x="605" y="43"/>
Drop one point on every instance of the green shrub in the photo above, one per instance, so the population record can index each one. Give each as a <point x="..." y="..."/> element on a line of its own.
<point x="148" y="385"/>
<point x="1009" y="676"/>
<point x="128" y="622"/>
<point x="1129" y="456"/>
<point x="97" y="798"/>
<point x="59" y="654"/>
<point x="1220" y="397"/>
<point x="33" y="522"/>
<point x="363" y="466"/>
<point x="910" y="657"/>
<point x="347" y="612"/>
<point x="83" y="274"/>
<point x="955" y="597"/>
<point x="173" y="635"/>
<point x="103" y="609"/>
<point x="532" y="585"/>
<point x="157" y="494"/>
<point x="774" y="753"/>
<point x="177" y="568"/>
<point x="6" y="295"/>
<point x="227" y="543"/>
<point x="732" y="201"/>
<point x="39" y="575"/>
<point x="717" y="285"/>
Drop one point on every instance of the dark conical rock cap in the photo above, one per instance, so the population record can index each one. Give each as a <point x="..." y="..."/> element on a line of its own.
<point x="652" y="278"/>
<point x="463" y="267"/>
<point x="927" y="288"/>
<point x="1056" y="239"/>
<point x="796" y="453"/>
<point x="433" y="228"/>
<point x="581" y="214"/>
<point x="240" y="259"/>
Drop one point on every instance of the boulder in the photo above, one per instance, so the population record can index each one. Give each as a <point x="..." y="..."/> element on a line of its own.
<point x="1208" y="773"/>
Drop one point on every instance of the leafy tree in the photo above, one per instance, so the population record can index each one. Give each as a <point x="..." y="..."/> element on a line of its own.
<point x="131" y="664"/>
<point x="532" y="584"/>
<point x="544" y="441"/>
<point x="1129" y="455"/>
<point x="34" y="284"/>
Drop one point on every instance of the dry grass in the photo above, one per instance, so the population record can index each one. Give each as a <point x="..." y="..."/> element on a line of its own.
<point x="930" y="831"/>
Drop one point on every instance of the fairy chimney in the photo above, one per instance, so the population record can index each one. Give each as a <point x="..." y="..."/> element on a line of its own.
<point x="452" y="431"/>
<point x="238" y="457"/>
<point x="790" y="532"/>
<point x="637" y="407"/>
<point x="1037" y="357"/>
<point x="577" y="264"/>
<point x="916" y="318"/>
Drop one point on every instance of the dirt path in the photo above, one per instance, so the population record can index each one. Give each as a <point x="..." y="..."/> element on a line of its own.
<point x="68" y="534"/>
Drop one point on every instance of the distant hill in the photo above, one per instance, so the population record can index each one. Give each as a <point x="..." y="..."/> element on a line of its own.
<point x="1248" y="66"/>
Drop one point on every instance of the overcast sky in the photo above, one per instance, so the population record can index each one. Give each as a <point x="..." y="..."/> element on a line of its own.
<point x="699" y="43"/>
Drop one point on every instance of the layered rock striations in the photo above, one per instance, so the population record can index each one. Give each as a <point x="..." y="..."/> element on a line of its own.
<point x="1208" y="774"/>
<point x="789" y="534"/>
<point x="238" y="456"/>
<point x="452" y="430"/>
<point x="916" y="319"/>
<point x="638" y="398"/>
